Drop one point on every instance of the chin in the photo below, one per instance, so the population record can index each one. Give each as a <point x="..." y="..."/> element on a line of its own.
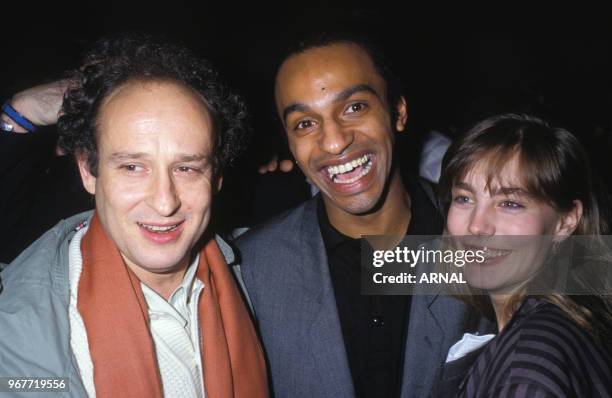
<point x="359" y="204"/>
<point x="355" y="208"/>
<point x="363" y="206"/>
<point x="479" y="278"/>
<point x="488" y="283"/>
<point x="161" y="263"/>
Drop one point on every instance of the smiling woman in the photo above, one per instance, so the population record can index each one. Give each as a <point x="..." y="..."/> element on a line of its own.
<point x="513" y="178"/>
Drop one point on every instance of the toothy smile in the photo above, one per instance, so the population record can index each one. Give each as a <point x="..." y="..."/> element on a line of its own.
<point x="350" y="171"/>
<point x="494" y="253"/>
<point x="160" y="229"/>
<point x="490" y="253"/>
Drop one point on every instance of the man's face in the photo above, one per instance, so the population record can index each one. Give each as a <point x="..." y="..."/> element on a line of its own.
<point x="154" y="185"/>
<point x="333" y="105"/>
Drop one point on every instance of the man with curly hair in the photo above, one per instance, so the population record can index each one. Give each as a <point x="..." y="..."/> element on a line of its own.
<point x="135" y="299"/>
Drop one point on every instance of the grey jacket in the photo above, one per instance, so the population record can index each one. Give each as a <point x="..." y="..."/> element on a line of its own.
<point x="285" y="270"/>
<point x="34" y="300"/>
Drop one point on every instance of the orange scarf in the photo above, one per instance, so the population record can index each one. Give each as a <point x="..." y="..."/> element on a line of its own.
<point x="114" y="311"/>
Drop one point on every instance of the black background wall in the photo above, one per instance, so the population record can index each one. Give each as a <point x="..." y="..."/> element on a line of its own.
<point x="457" y="66"/>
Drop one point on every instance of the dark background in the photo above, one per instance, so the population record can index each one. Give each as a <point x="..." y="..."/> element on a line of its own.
<point x="457" y="67"/>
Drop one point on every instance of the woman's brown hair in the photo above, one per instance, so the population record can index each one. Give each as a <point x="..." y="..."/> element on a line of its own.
<point x="554" y="169"/>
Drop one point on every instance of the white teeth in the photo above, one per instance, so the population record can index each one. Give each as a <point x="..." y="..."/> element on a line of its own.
<point x="490" y="253"/>
<point x="363" y="172"/>
<point x="155" y="228"/>
<point x="350" y="166"/>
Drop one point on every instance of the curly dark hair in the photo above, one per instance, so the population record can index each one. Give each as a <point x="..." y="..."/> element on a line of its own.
<point x="114" y="61"/>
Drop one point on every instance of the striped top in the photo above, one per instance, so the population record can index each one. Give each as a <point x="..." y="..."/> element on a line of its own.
<point x="541" y="353"/>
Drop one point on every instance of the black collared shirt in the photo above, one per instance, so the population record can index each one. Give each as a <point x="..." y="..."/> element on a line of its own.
<point x="373" y="327"/>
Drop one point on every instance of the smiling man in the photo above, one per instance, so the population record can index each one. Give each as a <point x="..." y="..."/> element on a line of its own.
<point x="341" y="109"/>
<point x="136" y="299"/>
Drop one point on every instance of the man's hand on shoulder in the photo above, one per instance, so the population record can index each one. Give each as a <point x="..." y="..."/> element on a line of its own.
<point x="284" y="165"/>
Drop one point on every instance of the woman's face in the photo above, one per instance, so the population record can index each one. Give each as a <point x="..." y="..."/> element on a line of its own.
<point x="513" y="228"/>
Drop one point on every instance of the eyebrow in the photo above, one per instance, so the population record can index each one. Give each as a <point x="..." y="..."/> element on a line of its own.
<point x="511" y="191"/>
<point x="464" y="186"/>
<point x="341" y="96"/>
<point x="123" y="156"/>
<point x="347" y="93"/>
<point x="500" y="191"/>
<point x="196" y="157"/>
<point x="297" y="107"/>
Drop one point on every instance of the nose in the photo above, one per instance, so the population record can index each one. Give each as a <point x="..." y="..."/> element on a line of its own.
<point x="336" y="138"/>
<point x="482" y="222"/>
<point x="163" y="196"/>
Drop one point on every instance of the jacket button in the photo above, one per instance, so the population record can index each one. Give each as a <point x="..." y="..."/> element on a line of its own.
<point x="378" y="321"/>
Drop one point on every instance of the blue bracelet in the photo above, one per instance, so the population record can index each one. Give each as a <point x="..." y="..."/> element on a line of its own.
<point x="18" y="117"/>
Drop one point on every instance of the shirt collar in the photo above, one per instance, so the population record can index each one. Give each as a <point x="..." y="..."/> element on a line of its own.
<point x="187" y="285"/>
<point x="181" y="296"/>
<point x="331" y="236"/>
<point x="424" y="219"/>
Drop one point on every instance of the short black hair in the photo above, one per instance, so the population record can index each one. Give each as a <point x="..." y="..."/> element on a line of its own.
<point x="114" y="61"/>
<point x="346" y="31"/>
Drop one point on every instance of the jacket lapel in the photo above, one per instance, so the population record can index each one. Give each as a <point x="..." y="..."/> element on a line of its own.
<point x="436" y="322"/>
<point x="326" y="341"/>
<point x="431" y="315"/>
<point x="423" y="347"/>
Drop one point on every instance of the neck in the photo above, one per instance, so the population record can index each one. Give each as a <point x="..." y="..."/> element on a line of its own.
<point x="499" y="302"/>
<point x="163" y="284"/>
<point x="392" y="217"/>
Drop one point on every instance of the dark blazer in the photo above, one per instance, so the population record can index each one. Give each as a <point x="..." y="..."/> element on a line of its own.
<point x="285" y="270"/>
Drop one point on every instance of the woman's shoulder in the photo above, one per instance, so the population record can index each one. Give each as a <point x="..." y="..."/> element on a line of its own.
<point x="551" y="350"/>
<point x="545" y="325"/>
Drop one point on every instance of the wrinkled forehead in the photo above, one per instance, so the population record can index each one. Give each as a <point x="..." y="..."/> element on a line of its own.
<point x="320" y="71"/>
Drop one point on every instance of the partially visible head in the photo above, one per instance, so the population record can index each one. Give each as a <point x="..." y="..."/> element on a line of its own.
<point x="341" y="106"/>
<point x="151" y="127"/>
<point x="513" y="185"/>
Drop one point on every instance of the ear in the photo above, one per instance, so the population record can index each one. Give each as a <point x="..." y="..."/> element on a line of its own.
<point x="402" y="115"/>
<point x="568" y="222"/>
<point x="89" y="181"/>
